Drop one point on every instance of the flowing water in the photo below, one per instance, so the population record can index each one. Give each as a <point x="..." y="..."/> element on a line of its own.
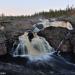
<point x="56" y="23"/>
<point x="50" y="63"/>
<point x="37" y="46"/>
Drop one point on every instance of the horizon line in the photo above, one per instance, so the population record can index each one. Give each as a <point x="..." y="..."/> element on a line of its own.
<point x="32" y="13"/>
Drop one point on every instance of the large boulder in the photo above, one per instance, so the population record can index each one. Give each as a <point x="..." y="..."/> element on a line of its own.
<point x="55" y="35"/>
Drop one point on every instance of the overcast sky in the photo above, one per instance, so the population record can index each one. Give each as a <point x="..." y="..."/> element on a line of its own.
<point x="28" y="7"/>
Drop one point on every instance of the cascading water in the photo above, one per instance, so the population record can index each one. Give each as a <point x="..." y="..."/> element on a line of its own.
<point x="21" y="49"/>
<point x="41" y="44"/>
<point x="44" y="23"/>
<point x="37" y="46"/>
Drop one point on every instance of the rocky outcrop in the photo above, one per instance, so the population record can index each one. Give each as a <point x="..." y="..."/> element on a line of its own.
<point x="3" y="49"/>
<point x="13" y="66"/>
<point x="55" y="35"/>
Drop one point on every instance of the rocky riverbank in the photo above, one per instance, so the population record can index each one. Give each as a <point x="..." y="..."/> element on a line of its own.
<point x="53" y="35"/>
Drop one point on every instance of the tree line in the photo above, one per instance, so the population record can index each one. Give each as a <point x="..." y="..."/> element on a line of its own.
<point x="56" y="13"/>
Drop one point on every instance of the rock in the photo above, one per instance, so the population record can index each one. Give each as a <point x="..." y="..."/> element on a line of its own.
<point x="54" y="35"/>
<point x="3" y="49"/>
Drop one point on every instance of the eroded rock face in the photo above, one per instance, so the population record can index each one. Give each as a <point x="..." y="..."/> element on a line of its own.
<point x="73" y="42"/>
<point x="55" y="35"/>
<point x="3" y="49"/>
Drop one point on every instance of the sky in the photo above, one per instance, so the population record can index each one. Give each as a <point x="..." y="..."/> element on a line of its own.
<point x="29" y="7"/>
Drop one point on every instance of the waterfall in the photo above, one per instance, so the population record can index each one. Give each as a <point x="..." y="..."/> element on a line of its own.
<point x="55" y="23"/>
<point x="41" y="44"/>
<point x="21" y="49"/>
<point x="37" y="46"/>
<point x="24" y="47"/>
<point x="62" y="24"/>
